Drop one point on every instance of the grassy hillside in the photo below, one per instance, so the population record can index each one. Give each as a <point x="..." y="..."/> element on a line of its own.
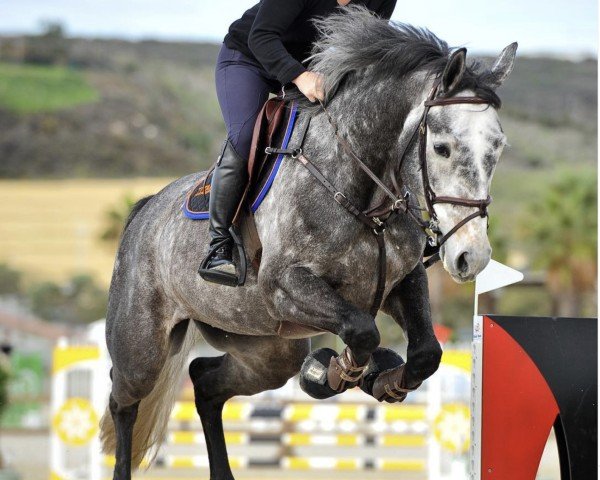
<point x="31" y="89"/>
<point x="128" y="109"/>
<point x="554" y="93"/>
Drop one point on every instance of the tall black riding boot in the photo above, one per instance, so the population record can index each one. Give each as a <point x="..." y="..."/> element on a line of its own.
<point x="227" y="187"/>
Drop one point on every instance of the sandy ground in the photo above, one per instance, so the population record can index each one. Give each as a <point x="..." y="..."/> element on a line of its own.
<point x="27" y="453"/>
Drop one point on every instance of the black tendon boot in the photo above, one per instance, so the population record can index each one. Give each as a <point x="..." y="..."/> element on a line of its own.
<point x="228" y="183"/>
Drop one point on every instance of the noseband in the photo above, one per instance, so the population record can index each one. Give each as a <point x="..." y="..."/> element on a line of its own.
<point x="400" y="196"/>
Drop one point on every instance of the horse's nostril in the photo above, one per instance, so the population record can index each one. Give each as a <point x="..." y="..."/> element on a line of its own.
<point x="462" y="264"/>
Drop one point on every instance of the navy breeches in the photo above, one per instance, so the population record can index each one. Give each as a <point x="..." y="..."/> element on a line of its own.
<point x="243" y="87"/>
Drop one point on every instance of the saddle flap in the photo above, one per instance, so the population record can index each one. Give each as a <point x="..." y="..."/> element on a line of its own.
<point x="267" y="124"/>
<point x="273" y="127"/>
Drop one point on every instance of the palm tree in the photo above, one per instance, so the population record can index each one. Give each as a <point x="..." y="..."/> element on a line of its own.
<point x="562" y="228"/>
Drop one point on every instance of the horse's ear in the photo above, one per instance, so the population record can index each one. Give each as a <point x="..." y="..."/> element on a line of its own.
<point x="503" y="66"/>
<point x="454" y="71"/>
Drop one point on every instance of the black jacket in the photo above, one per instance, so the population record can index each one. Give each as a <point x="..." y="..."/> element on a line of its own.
<point x="279" y="33"/>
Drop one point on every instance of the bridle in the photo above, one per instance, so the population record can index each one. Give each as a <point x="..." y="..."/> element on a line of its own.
<point x="401" y="197"/>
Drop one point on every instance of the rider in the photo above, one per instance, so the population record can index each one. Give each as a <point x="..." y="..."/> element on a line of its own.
<point x="261" y="53"/>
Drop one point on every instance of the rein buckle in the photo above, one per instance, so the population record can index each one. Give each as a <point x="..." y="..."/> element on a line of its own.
<point x="401" y="204"/>
<point x="339" y="197"/>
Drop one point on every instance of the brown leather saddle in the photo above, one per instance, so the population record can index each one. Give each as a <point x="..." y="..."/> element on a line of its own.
<point x="273" y="128"/>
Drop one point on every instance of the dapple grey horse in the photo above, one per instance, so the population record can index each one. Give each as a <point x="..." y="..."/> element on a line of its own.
<point x="319" y="264"/>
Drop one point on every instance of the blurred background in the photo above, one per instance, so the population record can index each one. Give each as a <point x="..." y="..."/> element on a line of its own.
<point x="102" y="103"/>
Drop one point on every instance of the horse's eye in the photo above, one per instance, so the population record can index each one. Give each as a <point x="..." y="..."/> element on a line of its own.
<point x="442" y="149"/>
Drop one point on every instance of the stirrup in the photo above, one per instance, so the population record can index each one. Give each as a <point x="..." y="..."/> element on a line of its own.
<point x="224" y="278"/>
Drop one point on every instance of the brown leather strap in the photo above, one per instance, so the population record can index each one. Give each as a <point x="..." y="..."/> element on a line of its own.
<point x="348" y="149"/>
<point x="382" y="273"/>
<point x="443" y="101"/>
<point x="454" y="229"/>
<point x="374" y="223"/>
<point x="464" y="202"/>
<point x="259" y="127"/>
<point x="388" y="385"/>
<point x="344" y="372"/>
<point x="265" y="127"/>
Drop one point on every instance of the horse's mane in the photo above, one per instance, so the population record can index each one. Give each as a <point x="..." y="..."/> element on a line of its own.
<point x="355" y="40"/>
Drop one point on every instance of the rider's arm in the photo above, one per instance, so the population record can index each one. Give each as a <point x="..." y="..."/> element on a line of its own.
<point x="274" y="17"/>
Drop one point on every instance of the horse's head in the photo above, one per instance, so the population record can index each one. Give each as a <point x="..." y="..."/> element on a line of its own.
<point x="463" y="144"/>
<point x="375" y="77"/>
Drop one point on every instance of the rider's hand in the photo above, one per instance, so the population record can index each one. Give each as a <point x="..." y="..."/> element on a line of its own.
<point x="311" y="85"/>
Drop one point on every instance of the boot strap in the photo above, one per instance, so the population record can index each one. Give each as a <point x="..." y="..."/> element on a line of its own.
<point x="388" y="385"/>
<point x="343" y="372"/>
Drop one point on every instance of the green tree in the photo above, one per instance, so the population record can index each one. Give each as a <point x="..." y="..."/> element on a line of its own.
<point x="10" y="280"/>
<point x="114" y="220"/>
<point x="4" y="377"/>
<point x="80" y="300"/>
<point x="561" y="227"/>
<point x="48" y="48"/>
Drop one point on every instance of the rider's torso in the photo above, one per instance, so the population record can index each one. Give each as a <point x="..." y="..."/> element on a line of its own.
<point x="291" y="23"/>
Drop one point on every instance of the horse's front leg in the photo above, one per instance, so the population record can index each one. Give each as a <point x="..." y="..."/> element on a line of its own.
<point x="408" y="304"/>
<point x="306" y="299"/>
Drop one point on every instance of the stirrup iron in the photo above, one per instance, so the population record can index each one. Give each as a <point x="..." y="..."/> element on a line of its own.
<point x="223" y="278"/>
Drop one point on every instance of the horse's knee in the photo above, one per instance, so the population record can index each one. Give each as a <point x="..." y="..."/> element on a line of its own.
<point x="361" y="335"/>
<point x="432" y="358"/>
<point x="425" y="361"/>
<point x="436" y="352"/>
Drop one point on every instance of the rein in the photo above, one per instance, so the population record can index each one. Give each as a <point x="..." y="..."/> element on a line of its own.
<point x="376" y="219"/>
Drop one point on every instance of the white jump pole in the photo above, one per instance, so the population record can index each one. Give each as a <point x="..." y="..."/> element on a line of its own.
<point x="494" y="276"/>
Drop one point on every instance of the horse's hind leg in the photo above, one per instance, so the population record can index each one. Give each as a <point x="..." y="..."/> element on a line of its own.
<point x="124" y="420"/>
<point x="252" y="365"/>
<point x="148" y="360"/>
<point x="124" y="402"/>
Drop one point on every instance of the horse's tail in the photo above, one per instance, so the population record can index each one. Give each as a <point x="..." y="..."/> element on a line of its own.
<point x="135" y="209"/>
<point x="154" y="410"/>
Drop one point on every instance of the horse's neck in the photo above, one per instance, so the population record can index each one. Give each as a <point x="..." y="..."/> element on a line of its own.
<point x="377" y="134"/>
<point x="370" y="135"/>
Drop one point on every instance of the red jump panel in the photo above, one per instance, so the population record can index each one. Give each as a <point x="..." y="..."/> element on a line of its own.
<point x="518" y="410"/>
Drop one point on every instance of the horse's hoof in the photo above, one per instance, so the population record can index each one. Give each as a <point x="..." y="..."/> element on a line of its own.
<point x="313" y="374"/>
<point x="382" y="359"/>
